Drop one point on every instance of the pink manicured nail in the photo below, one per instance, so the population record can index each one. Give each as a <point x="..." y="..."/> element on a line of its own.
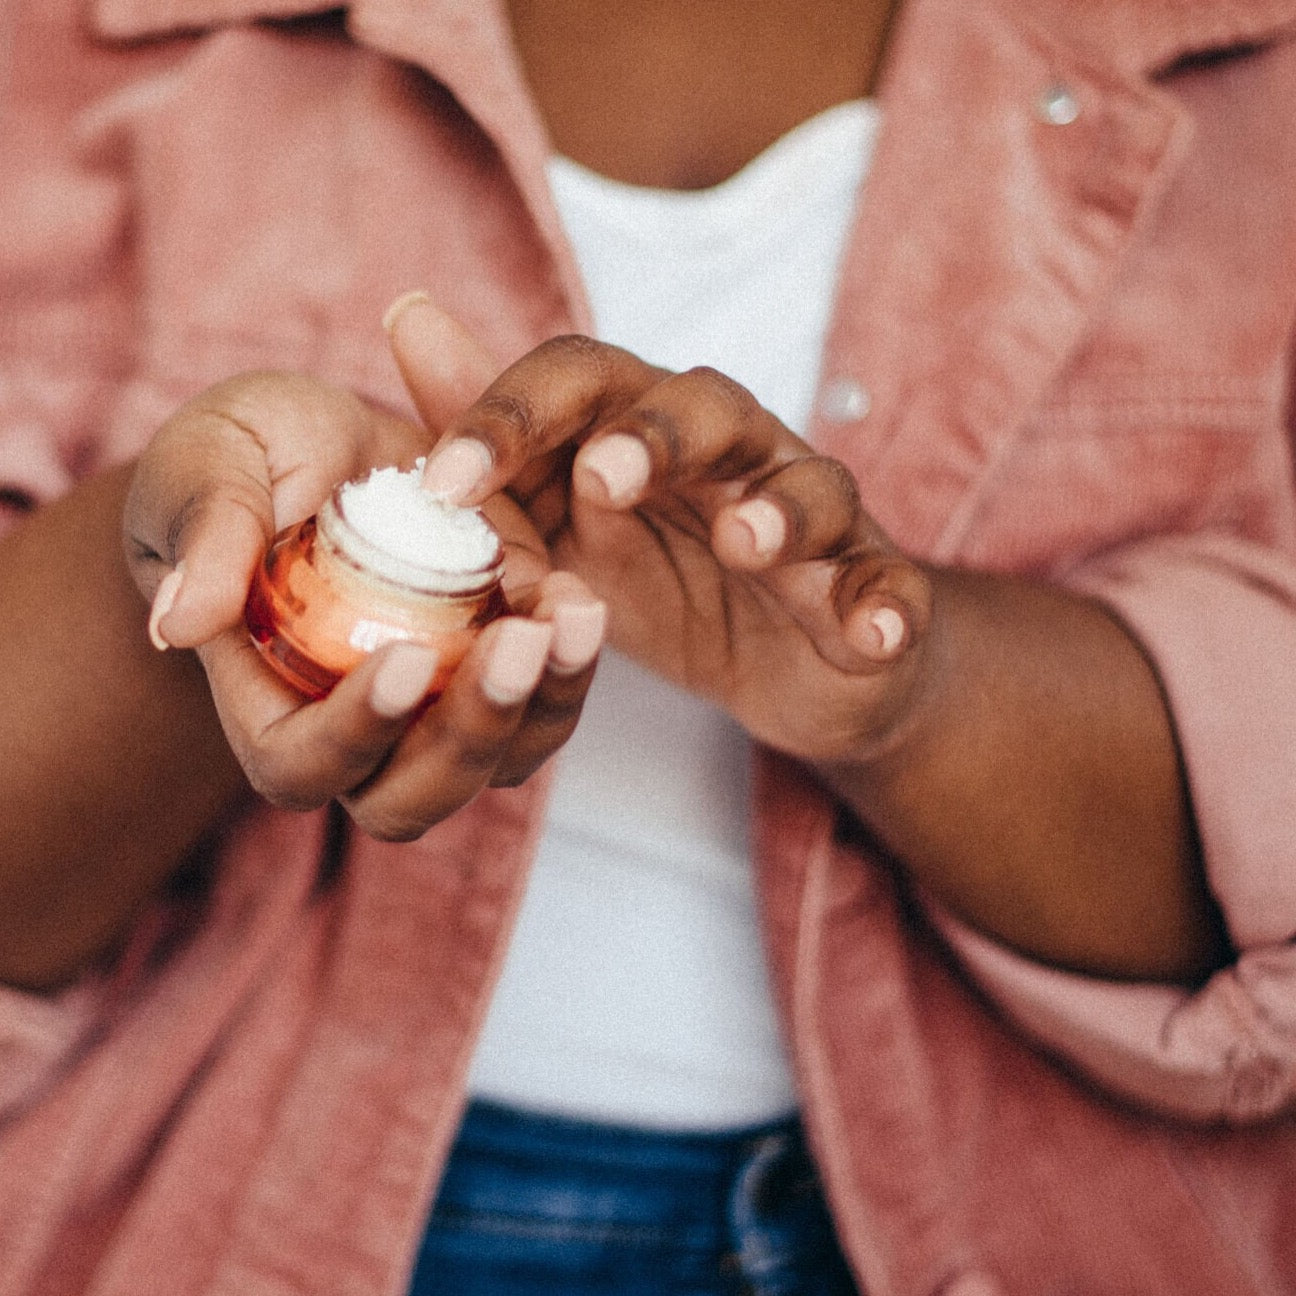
<point x="516" y="660"/>
<point x="890" y="628"/>
<point x="620" y="463"/>
<point x="399" y="306"/>
<point x="577" y="636"/>
<point x="765" y="523"/>
<point x="456" y="470"/>
<point x="402" y="680"/>
<point x="163" y="602"/>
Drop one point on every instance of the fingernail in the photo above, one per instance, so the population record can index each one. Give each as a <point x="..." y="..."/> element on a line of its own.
<point x="577" y="636"/>
<point x="163" y="602"/>
<point x="516" y="660"/>
<point x="400" y="305"/>
<point x="765" y="523"/>
<point x="620" y="463"/>
<point x="457" y="469"/>
<point x="402" y="680"/>
<point x="890" y="628"/>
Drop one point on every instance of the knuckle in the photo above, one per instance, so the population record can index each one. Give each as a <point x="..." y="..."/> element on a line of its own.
<point x="797" y="519"/>
<point x="387" y="824"/>
<point x="594" y="365"/>
<point x="590" y="362"/>
<point x="276" y="777"/>
<point x="574" y="348"/>
<point x="514" y="776"/>
<point x="477" y="758"/>
<point x="274" y="786"/>
<point x="658" y="429"/>
<point x="512" y="413"/>
<point x="189" y="509"/>
<point x="251" y="396"/>
<point x="471" y="753"/>
<point x="841" y="479"/>
<point x="872" y="574"/>
<point x="722" y="390"/>
<point x="820" y="499"/>
<point x="553" y="714"/>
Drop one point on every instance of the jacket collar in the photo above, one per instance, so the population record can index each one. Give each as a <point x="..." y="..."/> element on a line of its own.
<point x="977" y="210"/>
<point x="464" y="44"/>
<point x="1137" y="35"/>
<point x="1147" y="36"/>
<point x="136" y="19"/>
<point x="1088" y="200"/>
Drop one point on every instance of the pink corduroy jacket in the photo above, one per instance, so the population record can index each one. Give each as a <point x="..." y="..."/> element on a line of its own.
<point x="1061" y="346"/>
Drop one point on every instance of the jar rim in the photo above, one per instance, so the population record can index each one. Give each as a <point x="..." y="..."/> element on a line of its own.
<point x="334" y="525"/>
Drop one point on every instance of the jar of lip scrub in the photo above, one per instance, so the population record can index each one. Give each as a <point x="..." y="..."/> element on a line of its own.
<point x="382" y="560"/>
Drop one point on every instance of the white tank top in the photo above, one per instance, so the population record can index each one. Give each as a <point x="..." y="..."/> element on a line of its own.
<point x="635" y="990"/>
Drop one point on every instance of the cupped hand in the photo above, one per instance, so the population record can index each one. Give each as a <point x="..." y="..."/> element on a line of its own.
<point x="736" y="561"/>
<point x="262" y="451"/>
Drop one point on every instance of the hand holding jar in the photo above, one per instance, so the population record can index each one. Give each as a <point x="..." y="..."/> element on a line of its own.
<point x="263" y="453"/>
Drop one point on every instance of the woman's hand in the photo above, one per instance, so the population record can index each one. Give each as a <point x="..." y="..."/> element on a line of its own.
<point x="1005" y="740"/>
<point x="262" y="451"/>
<point x="737" y="562"/>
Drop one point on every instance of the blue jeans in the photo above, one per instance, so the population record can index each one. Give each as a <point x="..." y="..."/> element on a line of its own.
<point x="537" y="1206"/>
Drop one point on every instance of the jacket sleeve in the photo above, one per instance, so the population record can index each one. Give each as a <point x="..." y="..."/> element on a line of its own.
<point x="67" y="278"/>
<point x="66" y="340"/>
<point x="1217" y="616"/>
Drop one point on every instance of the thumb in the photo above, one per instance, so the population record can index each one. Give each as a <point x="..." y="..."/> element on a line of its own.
<point x="227" y="471"/>
<point x="213" y="557"/>
<point x="444" y="366"/>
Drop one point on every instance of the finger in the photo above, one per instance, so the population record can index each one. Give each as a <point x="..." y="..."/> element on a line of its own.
<point x="297" y="754"/>
<point x="200" y="513"/>
<point x="444" y="367"/>
<point x="553" y="394"/>
<point x="578" y="617"/>
<point x="884" y="605"/>
<point x="526" y="561"/>
<point x="454" y="748"/>
<point x="800" y="511"/>
<point x="231" y="468"/>
<point x="698" y="426"/>
<point x="579" y="625"/>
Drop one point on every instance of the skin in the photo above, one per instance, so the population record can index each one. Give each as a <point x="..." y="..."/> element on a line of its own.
<point x="1006" y="742"/>
<point x="682" y="93"/>
<point x="1010" y="746"/>
<point x="208" y="728"/>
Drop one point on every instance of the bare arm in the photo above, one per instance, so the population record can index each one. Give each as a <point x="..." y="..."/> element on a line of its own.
<point x="1007" y="741"/>
<point x="124" y="755"/>
<point x="1034" y="785"/>
<point x="115" y="761"/>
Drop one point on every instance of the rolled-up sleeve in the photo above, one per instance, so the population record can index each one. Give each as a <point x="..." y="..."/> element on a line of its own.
<point x="66" y="273"/>
<point x="66" y="339"/>
<point x="1217" y="617"/>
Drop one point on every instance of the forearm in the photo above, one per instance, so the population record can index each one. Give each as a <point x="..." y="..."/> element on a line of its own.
<point x="1036" y="787"/>
<point x="115" y="760"/>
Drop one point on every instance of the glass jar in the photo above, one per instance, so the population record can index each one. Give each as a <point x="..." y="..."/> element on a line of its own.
<point x="325" y="598"/>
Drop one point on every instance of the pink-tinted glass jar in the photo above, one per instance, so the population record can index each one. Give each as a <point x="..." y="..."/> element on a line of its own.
<point x="325" y="598"/>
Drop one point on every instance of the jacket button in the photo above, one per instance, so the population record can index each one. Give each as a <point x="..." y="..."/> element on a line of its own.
<point x="845" y="401"/>
<point x="1057" y="105"/>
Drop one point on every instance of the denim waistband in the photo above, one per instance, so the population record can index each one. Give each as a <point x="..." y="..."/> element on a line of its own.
<point x="536" y="1203"/>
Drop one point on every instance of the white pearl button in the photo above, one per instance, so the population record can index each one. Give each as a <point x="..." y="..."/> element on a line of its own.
<point x="1057" y="105"/>
<point x="844" y="401"/>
